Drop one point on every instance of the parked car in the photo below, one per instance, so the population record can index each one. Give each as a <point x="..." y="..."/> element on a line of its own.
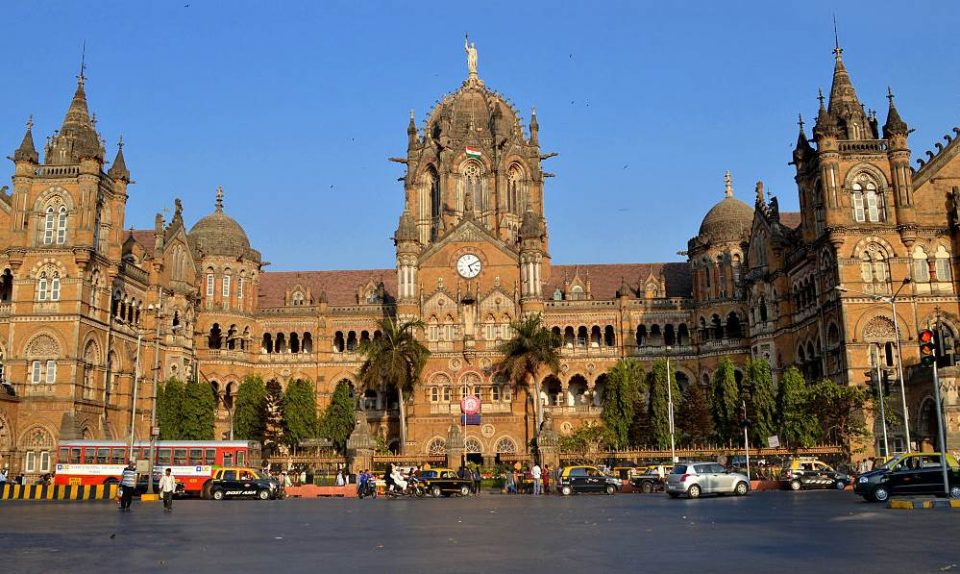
<point x="444" y="482"/>
<point x="804" y="473"/>
<point x="581" y="478"/>
<point x="650" y="480"/>
<point x="697" y="478"/>
<point x="239" y="482"/>
<point x="908" y="474"/>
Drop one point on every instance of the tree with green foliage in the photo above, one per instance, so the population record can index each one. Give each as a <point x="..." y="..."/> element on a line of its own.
<point x="337" y="422"/>
<point x="694" y="418"/>
<point x="531" y="348"/>
<point x="840" y="412"/>
<point x="273" y="418"/>
<point x="641" y="433"/>
<point x="249" y="409"/>
<point x="199" y="412"/>
<point x="762" y="401"/>
<point x="587" y="441"/>
<point x="659" y="403"/>
<point x="395" y="360"/>
<point x="726" y="402"/>
<point x="798" y="426"/>
<point x="299" y="412"/>
<point x="624" y="382"/>
<point x="170" y="399"/>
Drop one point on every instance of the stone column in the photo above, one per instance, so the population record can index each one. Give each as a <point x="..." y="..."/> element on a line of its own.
<point x="455" y="445"/>
<point x="549" y="444"/>
<point x="360" y="445"/>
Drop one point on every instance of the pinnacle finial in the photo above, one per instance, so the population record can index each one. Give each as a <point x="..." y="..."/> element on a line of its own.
<point x="411" y="114"/>
<point x="533" y="110"/>
<point x="120" y="142"/>
<point x="83" y="64"/>
<point x="728" y="184"/>
<point x="800" y="121"/>
<point x="890" y="95"/>
<point x="30" y="122"/>
<point x="820" y="96"/>
<point x="219" y="199"/>
<point x="837" y="50"/>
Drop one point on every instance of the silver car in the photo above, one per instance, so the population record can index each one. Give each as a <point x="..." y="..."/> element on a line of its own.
<point x="696" y="478"/>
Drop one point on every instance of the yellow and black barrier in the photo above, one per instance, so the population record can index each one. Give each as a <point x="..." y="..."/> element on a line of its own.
<point x="57" y="492"/>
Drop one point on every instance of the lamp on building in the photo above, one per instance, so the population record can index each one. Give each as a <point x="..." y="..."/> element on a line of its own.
<point x="892" y="300"/>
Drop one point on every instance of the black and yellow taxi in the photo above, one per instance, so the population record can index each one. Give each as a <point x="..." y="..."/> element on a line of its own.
<point x="909" y="474"/>
<point x="806" y="473"/>
<point x="444" y="482"/>
<point x="583" y="478"/>
<point x="242" y="482"/>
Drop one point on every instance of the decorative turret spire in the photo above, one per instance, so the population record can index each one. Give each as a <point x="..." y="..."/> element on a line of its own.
<point x="532" y="225"/>
<point x="219" y="201"/>
<point x="27" y="151"/>
<point x="534" y="127"/>
<point x="803" y="144"/>
<point x="825" y="125"/>
<point x="412" y="139"/>
<point x="118" y="171"/>
<point x="407" y="228"/>
<point x="77" y="138"/>
<point x="845" y="106"/>
<point x="727" y="184"/>
<point x="895" y="126"/>
<point x="759" y="190"/>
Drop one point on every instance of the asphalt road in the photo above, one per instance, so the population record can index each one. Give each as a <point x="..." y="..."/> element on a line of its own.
<point x="813" y="531"/>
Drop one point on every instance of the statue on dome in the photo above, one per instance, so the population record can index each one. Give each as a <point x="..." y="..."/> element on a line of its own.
<point x="471" y="50"/>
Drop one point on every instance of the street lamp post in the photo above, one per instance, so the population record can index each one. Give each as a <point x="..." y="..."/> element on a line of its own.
<point x="156" y="380"/>
<point x="896" y="329"/>
<point x="136" y="387"/>
<point x="673" y="448"/>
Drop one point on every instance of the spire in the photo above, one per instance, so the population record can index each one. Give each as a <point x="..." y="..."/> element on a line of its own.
<point x="534" y="127"/>
<point x="407" y="228"/>
<point x="118" y="171"/>
<point x="412" y="131"/>
<point x="77" y="138"/>
<point x="727" y="184"/>
<point x="825" y="125"/>
<point x="532" y="226"/>
<point x="759" y="189"/>
<point x="219" y="201"/>
<point x="27" y="151"/>
<point x="895" y="126"/>
<point x="845" y="106"/>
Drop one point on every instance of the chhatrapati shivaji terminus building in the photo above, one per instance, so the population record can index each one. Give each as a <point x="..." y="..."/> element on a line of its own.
<point x="472" y="255"/>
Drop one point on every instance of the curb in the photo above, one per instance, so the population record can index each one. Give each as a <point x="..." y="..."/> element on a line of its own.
<point x="924" y="504"/>
<point x="57" y="492"/>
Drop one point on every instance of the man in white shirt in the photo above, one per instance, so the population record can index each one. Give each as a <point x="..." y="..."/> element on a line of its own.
<point x="168" y="485"/>
<point x="537" y="473"/>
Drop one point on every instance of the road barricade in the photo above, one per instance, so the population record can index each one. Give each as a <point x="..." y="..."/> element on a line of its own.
<point x="57" y="492"/>
<point x="312" y="491"/>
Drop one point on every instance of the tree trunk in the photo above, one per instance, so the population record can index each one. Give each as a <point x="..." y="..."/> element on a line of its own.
<point x="538" y="414"/>
<point x="403" y="421"/>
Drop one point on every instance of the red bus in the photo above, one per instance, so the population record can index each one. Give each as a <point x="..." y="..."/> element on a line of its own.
<point x="90" y="462"/>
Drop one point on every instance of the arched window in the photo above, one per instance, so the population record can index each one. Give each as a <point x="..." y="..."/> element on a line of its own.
<point x="943" y="264"/>
<point x="515" y="190"/>
<point x="297" y="299"/>
<point x="225" y="291"/>
<point x="471" y="180"/>
<point x="210" y="282"/>
<point x="921" y="271"/>
<point x="61" y="225"/>
<point x="43" y="284"/>
<point x="49" y="226"/>
<point x="874" y="269"/>
<point x="867" y="201"/>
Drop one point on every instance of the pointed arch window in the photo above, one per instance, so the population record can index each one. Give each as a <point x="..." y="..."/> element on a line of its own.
<point x="61" y="225"/>
<point x="49" y="225"/>
<point x="874" y="269"/>
<point x="226" y="286"/>
<point x="43" y="283"/>
<point x="515" y="190"/>
<point x="471" y="180"/>
<point x="921" y="271"/>
<point x="210" y="281"/>
<point x="942" y="264"/>
<point x="867" y="201"/>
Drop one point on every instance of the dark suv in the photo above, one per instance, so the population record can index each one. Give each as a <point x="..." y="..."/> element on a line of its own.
<point x="909" y="474"/>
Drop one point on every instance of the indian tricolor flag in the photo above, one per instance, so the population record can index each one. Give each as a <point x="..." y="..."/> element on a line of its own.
<point x="472" y="152"/>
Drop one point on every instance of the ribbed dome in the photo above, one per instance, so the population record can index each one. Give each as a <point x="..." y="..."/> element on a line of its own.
<point x="728" y="220"/>
<point x="219" y="234"/>
<point x="472" y="105"/>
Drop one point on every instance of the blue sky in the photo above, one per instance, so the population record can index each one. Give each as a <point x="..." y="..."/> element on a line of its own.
<point x="294" y="106"/>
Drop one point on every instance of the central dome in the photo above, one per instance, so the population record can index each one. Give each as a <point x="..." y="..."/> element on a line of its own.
<point x="472" y="106"/>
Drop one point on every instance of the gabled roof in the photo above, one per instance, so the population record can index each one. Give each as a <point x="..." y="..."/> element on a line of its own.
<point x="605" y="279"/>
<point x="339" y="287"/>
<point x="147" y="239"/>
<point x="790" y="219"/>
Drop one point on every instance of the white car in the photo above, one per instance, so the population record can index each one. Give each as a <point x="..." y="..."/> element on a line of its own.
<point x="696" y="478"/>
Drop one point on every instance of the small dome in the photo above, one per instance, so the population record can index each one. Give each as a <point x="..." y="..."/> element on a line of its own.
<point x="729" y="220"/>
<point x="219" y="234"/>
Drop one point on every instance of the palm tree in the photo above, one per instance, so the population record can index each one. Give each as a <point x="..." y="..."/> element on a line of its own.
<point x="531" y="348"/>
<point x="394" y="360"/>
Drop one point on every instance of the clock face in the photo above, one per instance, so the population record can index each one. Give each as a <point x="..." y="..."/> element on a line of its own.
<point x="468" y="266"/>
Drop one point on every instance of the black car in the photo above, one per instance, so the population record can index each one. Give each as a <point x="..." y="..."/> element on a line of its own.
<point x="586" y="479"/>
<point x="802" y="474"/>
<point x="909" y="474"/>
<point x="242" y="483"/>
<point x="444" y="482"/>
<point x="649" y="481"/>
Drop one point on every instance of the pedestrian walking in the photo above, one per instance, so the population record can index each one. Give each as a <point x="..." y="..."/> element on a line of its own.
<point x="476" y="480"/>
<point x="546" y="479"/>
<point x="340" y="478"/>
<point x="168" y="485"/>
<point x="536" y="474"/>
<point x="128" y="484"/>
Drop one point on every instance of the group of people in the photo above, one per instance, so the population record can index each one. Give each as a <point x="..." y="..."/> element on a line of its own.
<point x="528" y="479"/>
<point x="166" y="486"/>
<point x="18" y="479"/>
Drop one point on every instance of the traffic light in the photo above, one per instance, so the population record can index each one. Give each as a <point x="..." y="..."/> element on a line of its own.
<point x="885" y="378"/>
<point x="928" y="353"/>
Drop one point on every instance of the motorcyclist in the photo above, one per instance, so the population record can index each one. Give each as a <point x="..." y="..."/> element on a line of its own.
<point x="388" y="477"/>
<point x="399" y="480"/>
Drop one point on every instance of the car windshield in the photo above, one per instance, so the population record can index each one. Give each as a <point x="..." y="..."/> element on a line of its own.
<point x="679" y="469"/>
<point x="890" y="463"/>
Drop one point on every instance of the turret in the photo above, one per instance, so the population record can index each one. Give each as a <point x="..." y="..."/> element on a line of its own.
<point x="27" y="152"/>
<point x="412" y="139"/>
<point x="118" y="171"/>
<point x="895" y="130"/>
<point x="534" y="127"/>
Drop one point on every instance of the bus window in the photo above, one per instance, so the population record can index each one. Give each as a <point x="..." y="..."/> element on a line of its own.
<point x="228" y="459"/>
<point x="210" y="457"/>
<point x="64" y="454"/>
<point x="103" y="455"/>
<point x="180" y="457"/>
<point x="241" y="458"/>
<point x="88" y="455"/>
<point x="163" y="456"/>
<point x="74" y="456"/>
<point x="196" y="456"/>
<point x="116" y="456"/>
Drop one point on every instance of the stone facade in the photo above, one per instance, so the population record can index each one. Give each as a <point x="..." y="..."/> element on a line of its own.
<point x="84" y="305"/>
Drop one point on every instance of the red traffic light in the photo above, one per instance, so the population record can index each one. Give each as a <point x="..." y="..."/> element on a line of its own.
<point x="928" y="354"/>
<point x="926" y="336"/>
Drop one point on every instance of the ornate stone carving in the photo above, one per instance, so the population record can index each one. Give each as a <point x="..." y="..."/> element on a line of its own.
<point x="879" y="329"/>
<point x="43" y="346"/>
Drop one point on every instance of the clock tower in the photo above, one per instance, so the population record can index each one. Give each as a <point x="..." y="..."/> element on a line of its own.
<point x="472" y="242"/>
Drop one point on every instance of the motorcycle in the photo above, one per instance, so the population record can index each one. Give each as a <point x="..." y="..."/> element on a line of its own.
<point x="367" y="487"/>
<point x="406" y="487"/>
